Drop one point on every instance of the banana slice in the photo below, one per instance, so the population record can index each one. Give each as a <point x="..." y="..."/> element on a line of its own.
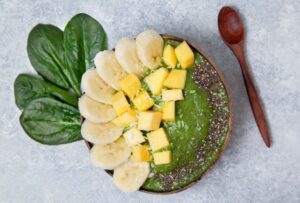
<point x="95" y="111"/>
<point x="131" y="175"/>
<point x="93" y="86"/>
<point x="127" y="56"/>
<point x="111" y="155"/>
<point x="149" y="46"/>
<point x="109" y="69"/>
<point x="100" y="133"/>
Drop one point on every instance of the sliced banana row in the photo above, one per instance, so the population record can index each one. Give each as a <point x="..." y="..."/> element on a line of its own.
<point x="110" y="151"/>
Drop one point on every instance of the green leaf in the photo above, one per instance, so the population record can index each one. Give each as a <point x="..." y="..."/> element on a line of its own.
<point x="46" y="53"/>
<point x="28" y="88"/>
<point x="51" y="122"/>
<point x="84" y="37"/>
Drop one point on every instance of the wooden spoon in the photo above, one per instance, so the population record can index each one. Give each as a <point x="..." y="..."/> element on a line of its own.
<point x="232" y="31"/>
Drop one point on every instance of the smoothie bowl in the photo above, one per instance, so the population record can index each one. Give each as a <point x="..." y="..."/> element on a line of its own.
<point x="156" y="113"/>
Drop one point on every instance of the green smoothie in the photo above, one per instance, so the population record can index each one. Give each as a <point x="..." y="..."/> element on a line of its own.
<point x="200" y="129"/>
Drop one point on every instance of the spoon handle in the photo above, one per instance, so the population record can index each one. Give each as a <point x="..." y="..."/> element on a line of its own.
<point x="253" y="96"/>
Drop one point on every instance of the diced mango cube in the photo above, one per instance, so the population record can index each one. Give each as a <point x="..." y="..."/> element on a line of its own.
<point x="184" y="55"/>
<point x="140" y="153"/>
<point x="127" y="119"/>
<point x="156" y="80"/>
<point x="158" y="139"/>
<point x="162" y="157"/>
<point x="143" y="101"/>
<point x="149" y="120"/>
<point x="176" y="79"/>
<point x="168" y="111"/>
<point x="133" y="137"/>
<point x="172" y="95"/>
<point x="120" y="103"/>
<point x="169" y="56"/>
<point x="130" y="85"/>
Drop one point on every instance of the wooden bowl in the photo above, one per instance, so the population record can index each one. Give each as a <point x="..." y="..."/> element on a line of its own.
<point x="170" y="37"/>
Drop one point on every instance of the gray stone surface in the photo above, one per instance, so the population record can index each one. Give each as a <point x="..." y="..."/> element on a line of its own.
<point x="247" y="171"/>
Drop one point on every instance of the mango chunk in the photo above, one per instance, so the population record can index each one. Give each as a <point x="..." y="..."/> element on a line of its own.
<point x="120" y="103"/>
<point x="176" y="79"/>
<point x="184" y="55"/>
<point x="140" y="153"/>
<point x="156" y="79"/>
<point x="158" y="139"/>
<point x="143" y="101"/>
<point x="169" y="56"/>
<point x="127" y="119"/>
<point x="168" y="111"/>
<point x="133" y="137"/>
<point x="130" y="85"/>
<point x="162" y="157"/>
<point x="149" y="120"/>
<point x="172" y="95"/>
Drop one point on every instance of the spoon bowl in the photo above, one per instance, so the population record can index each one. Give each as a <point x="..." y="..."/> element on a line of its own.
<point x="230" y="26"/>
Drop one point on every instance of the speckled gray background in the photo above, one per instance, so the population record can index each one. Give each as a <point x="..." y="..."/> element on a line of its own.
<point x="247" y="171"/>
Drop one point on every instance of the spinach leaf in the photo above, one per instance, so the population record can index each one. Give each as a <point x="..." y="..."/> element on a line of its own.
<point x="51" y="122"/>
<point x="84" y="37"/>
<point x="46" y="53"/>
<point x="27" y="88"/>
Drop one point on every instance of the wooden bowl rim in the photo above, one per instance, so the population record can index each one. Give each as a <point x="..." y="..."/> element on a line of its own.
<point x="230" y="119"/>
